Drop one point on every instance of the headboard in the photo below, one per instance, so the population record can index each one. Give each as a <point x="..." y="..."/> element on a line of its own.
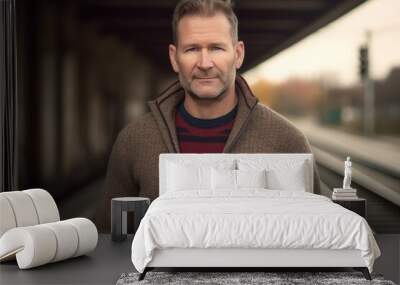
<point x="204" y="158"/>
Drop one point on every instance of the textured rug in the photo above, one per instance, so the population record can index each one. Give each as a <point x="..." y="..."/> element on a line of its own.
<point x="273" y="278"/>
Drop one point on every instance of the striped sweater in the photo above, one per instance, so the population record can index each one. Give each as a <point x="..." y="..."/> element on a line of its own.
<point x="202" y="135"/>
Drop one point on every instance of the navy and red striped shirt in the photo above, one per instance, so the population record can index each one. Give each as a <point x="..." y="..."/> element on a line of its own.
<point x="202" y="135"/>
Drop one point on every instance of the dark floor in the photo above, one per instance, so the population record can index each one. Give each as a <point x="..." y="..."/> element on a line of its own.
<point x="110" y="259"/>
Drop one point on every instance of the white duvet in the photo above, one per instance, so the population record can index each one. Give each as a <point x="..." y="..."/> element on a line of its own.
<point x="252" y="218"/>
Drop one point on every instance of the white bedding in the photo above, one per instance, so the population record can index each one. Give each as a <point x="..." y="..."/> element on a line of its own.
<point x="251" y="218"/>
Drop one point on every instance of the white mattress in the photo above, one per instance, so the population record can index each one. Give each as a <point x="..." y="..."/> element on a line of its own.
<point x="252" y="218"/>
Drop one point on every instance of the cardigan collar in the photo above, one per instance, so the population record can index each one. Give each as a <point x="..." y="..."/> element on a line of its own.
<point x="164" y="107"/>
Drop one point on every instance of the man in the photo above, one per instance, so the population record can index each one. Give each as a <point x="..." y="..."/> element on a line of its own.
<point x="210" y="109"/>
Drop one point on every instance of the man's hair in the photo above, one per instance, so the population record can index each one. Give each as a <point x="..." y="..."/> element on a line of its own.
<point x="204" y="8"/>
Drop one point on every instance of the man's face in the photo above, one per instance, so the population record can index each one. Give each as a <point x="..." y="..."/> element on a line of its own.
<point x="205" y="56"/>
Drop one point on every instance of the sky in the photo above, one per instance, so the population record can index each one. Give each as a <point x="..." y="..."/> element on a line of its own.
<point x="333" y="50"/>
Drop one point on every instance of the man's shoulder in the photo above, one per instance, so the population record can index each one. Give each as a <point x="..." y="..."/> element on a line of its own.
<point x="273" y="119"/>
<point x="138" y="126"/>
<point x="142" y="121"/>
<point x="279" y="128"/>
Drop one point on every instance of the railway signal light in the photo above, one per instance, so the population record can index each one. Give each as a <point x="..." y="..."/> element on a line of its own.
<point x="363" y="64"/>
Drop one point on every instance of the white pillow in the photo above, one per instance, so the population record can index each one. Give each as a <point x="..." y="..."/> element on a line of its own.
<point x="283" y="174"/>
<point x="223" y="179"/>
<point x="291" y="178"/>
<point x="236" y="179"/>
<point x="188" y="177"/>
<point x="251" y="178"/>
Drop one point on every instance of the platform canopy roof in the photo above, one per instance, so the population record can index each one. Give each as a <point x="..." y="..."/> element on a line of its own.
<point x="266" y="26"/>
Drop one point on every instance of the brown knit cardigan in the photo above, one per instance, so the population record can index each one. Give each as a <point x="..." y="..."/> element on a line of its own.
<point x="133" y="165"/>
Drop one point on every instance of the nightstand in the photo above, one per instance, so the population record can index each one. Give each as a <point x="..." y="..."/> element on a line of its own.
<point x="358" y="205"/>
<point x="119" y="208"/>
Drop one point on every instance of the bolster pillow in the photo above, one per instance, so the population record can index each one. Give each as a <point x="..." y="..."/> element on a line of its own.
<point x="40" y="244"/>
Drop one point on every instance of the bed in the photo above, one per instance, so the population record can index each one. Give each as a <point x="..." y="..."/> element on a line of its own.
<point x="247" y="210"/>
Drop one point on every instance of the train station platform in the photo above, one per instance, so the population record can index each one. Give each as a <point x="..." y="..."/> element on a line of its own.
<point x="378" y="152"/>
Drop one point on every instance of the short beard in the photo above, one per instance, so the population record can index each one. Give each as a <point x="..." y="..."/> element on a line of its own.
<point x="196" y="97"/>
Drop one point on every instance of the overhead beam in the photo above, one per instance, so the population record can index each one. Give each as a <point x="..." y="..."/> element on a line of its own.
<point x="246" y="4"/>
<point x="132" y="3"/>
<point x="296" y="5"/>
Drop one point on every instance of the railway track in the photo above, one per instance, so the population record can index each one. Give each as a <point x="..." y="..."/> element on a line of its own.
<point x="380" y="188"/>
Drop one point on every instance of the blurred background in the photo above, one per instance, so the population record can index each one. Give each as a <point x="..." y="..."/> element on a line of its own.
<point x="74" y="73"/>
